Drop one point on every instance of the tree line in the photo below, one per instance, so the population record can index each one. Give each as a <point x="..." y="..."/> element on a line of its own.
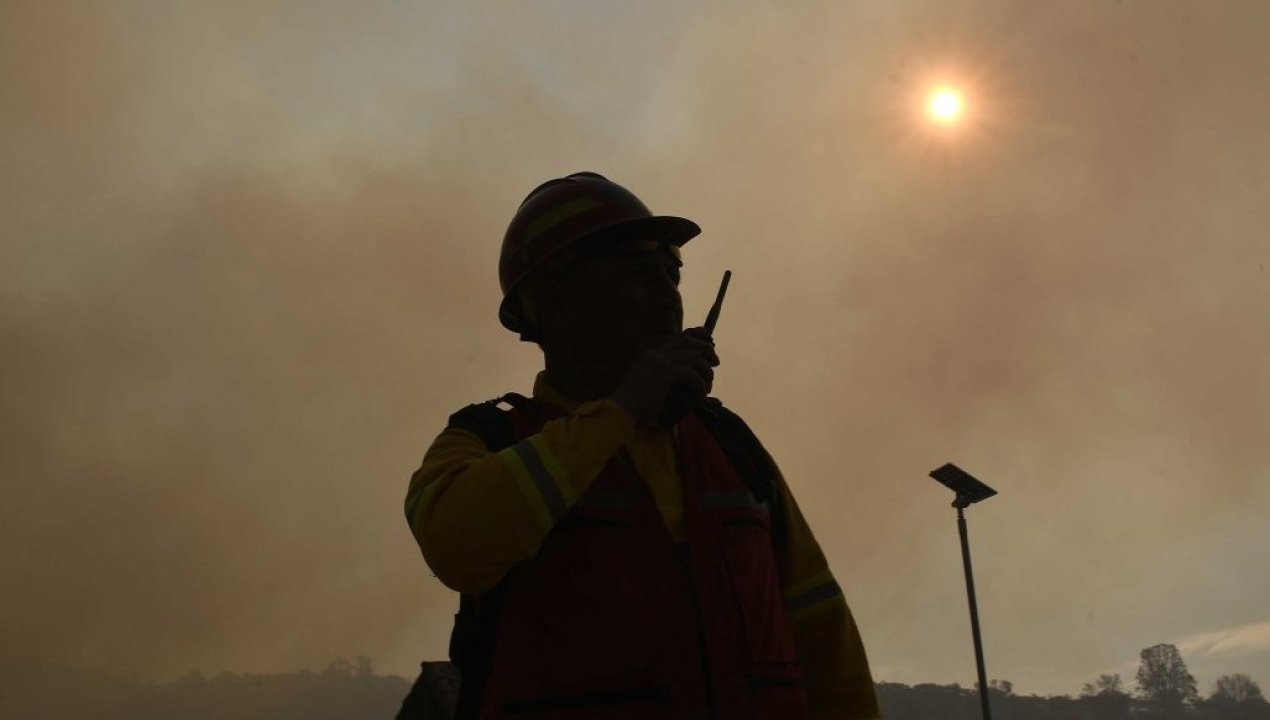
<point x="1165" y="690"/>
<point x="351" y="690"/>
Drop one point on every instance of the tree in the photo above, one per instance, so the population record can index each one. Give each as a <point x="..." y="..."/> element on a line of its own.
<point x="1164" y="680"/>
<point x="1104" y="685"/>
<point x="1237" y="697"/>
<point x="1106" y="698"/>
<point x="1236" y="688"/>
<point x="339" y="667"/>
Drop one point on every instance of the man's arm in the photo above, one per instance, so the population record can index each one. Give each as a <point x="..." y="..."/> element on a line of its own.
<point x="831" y="652"/>
<point x="475" y="513"/>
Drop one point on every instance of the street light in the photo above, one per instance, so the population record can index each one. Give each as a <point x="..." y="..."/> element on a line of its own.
<point x="969" y="491"/>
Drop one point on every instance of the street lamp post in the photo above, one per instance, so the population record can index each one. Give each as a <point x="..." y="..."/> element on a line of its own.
<point x="969" y="490"/>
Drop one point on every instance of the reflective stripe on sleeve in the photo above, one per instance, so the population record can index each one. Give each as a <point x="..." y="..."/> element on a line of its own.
<point x="812" y="596"/>
<point x="536" y="472"/>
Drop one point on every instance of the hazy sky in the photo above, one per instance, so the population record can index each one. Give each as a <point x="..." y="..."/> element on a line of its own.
<point x="249" y="268"/>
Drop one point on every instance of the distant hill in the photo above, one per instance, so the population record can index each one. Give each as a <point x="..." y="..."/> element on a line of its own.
<point x="343" y="691"/>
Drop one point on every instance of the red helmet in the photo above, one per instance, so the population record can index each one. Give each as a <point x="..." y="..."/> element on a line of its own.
<point x="559" y="213"/>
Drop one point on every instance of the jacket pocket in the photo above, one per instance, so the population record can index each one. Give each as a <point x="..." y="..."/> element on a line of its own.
<point x="777" y="690"/>
<point x="756" y="584"/>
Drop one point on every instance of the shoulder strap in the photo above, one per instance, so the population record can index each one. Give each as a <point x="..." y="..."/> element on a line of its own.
<point x="492" y="424"/>
<point x="528" y="408"/>
<point x="748" y="457"/>
<point x="476" y="624"/>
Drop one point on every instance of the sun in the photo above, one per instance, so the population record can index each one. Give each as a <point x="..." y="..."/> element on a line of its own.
<point x="945" y="106"/>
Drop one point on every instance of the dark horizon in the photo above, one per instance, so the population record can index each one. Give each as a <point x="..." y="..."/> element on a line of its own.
<point x="362" y="664"/>
<point x="352" y="688"/>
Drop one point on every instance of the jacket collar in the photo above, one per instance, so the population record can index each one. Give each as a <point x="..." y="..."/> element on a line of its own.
<point x="545" y="392"/>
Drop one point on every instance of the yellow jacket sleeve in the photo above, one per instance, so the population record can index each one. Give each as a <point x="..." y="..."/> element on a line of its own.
<point x="476" y="513"/>
<point x="830" y="650"/>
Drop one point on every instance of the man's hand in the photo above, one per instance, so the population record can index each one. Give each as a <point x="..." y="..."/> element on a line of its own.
<point x="686" y="359"/>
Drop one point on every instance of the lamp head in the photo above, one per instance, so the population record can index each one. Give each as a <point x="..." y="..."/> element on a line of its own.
<point x="969" y="489"/>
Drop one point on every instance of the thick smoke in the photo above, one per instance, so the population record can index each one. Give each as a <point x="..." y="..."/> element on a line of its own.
<point x="249" y="269"/>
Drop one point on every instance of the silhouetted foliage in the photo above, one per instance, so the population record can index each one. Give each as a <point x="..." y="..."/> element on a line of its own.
<point x="1104" y="685"/>
<point x="1105" y="699"/>
<point x="1236" y="688"/>
<point x="947" y="702"/>
<point x="1165" y="683"/>
<point x="350" y="690"/>
<point x="1005" y="687"/>
<point x="1237" y="697"/>
<point x="434" y="694"/>
<point x="953" y="702"/>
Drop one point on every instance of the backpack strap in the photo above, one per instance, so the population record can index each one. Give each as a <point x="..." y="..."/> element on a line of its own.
<point x="749" y="458"/>
<point x="486" y="421"/>
<point x="476" y="624"/>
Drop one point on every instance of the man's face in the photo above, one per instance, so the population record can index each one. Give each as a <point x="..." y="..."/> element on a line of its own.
<point x="621" y="297"/>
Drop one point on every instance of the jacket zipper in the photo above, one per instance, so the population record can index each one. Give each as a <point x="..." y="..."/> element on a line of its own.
<point x="696" y="603"/>
<point x="701" y="638"/>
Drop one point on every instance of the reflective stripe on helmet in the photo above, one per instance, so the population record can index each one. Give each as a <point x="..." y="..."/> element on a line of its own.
<point x="559" y="214"/>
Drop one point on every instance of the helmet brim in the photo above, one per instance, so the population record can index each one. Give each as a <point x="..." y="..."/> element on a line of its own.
<point x="672" y="229"/>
